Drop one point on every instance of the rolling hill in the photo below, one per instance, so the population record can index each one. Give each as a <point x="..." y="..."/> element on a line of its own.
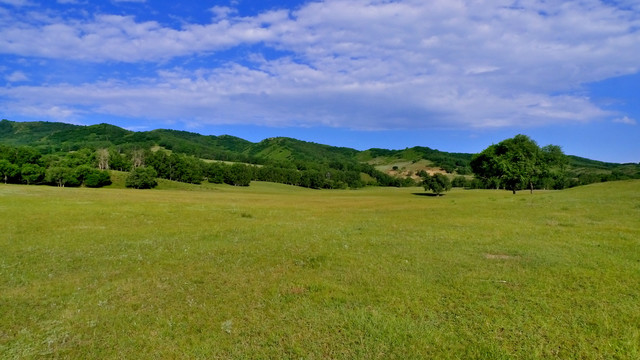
<point x="54" y="137"/>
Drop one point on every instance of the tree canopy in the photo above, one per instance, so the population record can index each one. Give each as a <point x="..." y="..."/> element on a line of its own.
<point x="517" y="163"/>
<point x="142" y="178"/>
<point x="438" y="183"/>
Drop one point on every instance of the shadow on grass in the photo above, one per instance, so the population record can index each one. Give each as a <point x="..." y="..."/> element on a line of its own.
<point x="428" y="194"/>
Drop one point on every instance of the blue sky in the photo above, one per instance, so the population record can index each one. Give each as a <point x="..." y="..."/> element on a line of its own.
<point x="454" y="75"/>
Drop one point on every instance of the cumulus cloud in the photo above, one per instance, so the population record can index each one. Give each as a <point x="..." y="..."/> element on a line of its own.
<point x="16" y="76"/>
<point x="625" y="120"/>
<point x="362" y="64"/>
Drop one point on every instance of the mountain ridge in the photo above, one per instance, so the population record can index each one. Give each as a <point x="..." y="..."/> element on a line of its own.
<point x="51" y="137"/>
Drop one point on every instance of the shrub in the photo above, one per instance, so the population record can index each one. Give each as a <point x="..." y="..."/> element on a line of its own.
<point x="142" y="178"/>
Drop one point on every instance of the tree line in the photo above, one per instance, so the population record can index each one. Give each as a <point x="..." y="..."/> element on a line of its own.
<point x="25" y="165"/>
<point x="331" y="175"/>
<point x="89" y="167"/>
<point x="513" y="164"/>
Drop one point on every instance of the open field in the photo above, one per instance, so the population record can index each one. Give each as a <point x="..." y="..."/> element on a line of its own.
<point x="272" y="271"/>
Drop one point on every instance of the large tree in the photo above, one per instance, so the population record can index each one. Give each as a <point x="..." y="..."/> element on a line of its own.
<point x="142" y="177"/>
<point x="32" y="173"/>
<point x="515" y="163"/>
<point x="61" y="176"/>
<point x="238" y="175"/>
<point x="438" y="183"/>
<point x="8" y="170"/>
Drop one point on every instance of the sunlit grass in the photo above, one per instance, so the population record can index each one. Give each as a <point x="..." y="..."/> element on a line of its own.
<point x="273" y="271"/>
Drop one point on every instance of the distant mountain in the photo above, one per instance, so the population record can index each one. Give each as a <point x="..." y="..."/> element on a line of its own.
<point x="52" y="137"/>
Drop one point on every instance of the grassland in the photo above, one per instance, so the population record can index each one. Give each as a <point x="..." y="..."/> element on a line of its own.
<point x="272" y="271"/>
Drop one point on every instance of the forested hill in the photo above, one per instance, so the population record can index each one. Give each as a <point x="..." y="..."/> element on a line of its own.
<point x="282" y="152"/>
<point x="53" y="137"/>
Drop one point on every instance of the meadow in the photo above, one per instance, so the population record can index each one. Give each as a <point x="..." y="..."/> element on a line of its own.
<point x="272" y="271"/>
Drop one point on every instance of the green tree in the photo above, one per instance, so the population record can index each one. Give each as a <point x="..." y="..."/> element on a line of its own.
<point x="92" y="177"/>
<point x="25" y="155"/>
<point x="61" y="176"/>
<point x="8" y="170"/>
<point x="97" y="178"/>
<point x="238" y="175"/>
<point x="515" y="163"/>
<point x="460" y="181"/>
<point x="438" y="183"/>
<point x="215" y="172"/>
<point x="142" y="177"/>
<point x="31" y="173"/>
<point x="118" y="161"/>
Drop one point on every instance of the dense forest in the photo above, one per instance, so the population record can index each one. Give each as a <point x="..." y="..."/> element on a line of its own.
<point x="70" y="155"/>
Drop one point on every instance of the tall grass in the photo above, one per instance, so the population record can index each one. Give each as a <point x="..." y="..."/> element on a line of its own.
<point x="272" y="271"/>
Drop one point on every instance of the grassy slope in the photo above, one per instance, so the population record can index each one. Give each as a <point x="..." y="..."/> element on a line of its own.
<point x="272" y="271"/>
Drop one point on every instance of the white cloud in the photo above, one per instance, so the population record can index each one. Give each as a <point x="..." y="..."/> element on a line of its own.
<point x="16" y="76"/>
<point x="363" y="64"/>
<point x="625" y="120"/>
<point x="220" y="12"/>
<point x="17" y="2"/>
<point x="52" y="112"/>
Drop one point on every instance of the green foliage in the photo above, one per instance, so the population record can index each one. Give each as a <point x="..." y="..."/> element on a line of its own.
<point x="118" y="160"/>
<point x="450" y="162"/>
<point x="238" y="175"/>
<point x="177" y="167"/>
<point x="214" y="172"/>
<point x="8" y="170"/>
<point x="61" y="176"/>
<point x="97" y="178"/>
<point x="460" y="182"/>
<point x="438" y="183"/>
<point x="32" y="173"/>
<point x="92" y="177"/>
<point x="142" y="178"/>
<point x="23" y="155"/>
<point x="65" y="145"/>
<point x="517" y="163"/>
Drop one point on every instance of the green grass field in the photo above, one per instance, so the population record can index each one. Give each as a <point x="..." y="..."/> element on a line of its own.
<point x="272" y="271"/>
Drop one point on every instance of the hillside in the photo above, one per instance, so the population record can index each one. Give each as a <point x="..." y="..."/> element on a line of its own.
<point x="53" y="137"/>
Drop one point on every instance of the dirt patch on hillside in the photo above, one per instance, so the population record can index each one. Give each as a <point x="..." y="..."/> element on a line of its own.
<point x="413" y="173"/>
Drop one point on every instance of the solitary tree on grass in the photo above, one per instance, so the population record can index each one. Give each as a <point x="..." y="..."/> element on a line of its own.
<point x="438" y="183"/>
<point x="515" y="163"/>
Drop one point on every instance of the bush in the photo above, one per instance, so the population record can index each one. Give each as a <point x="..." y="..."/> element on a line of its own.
<point x="142" y="178"/>
<point x="438" y="183"/>
<point x="92" y="177"/>
<point x="97" y="178"/>
<point x="460" y="182"/>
